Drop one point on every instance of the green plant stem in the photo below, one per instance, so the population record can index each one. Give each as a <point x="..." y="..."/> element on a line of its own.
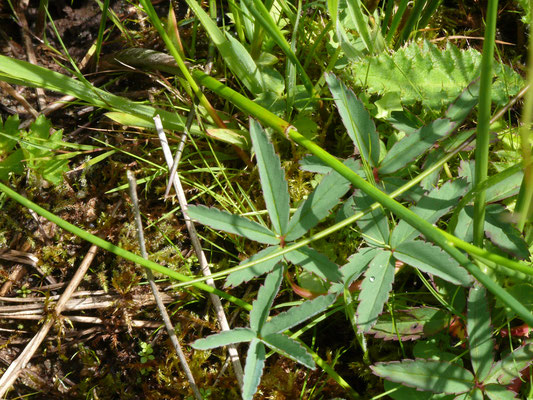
<point x="482" y="138"/>
<point x="117" y="250"/>
<point x="525" y="196"/>
<point x="428" y="230"/>
<point x="149" y="9"/>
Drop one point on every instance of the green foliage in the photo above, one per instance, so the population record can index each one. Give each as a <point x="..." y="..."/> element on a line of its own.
<point x="429" y="75"/>
<point x="37" y="147"/>
<point x="269" y="333"/>
<point x="490" y="378"/>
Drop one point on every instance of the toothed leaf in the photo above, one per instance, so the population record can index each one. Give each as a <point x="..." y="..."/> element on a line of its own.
<point x="265" y="297"/>
<point x="224" y="221"/>
<point x="290" y="348"/>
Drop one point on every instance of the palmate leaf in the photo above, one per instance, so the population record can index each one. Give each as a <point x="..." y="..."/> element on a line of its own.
<point x="224" y="221"/>
<point x="497" y="392"/>
<point x="411" y="147"/>
<point x="273" y="183"/>
<point x="433" y="376"/>
<point x="510" y="367"/>
<point x="236" y="335"/>
<point x="238" y="277"/>
<point x="500" y="232"/>
<point x="432" y="260"/>
<point x="290" y="348"/>
<point x="265" y="297"/>
<point x="354" y="268"/>
<point x="255" y="361"/>
<point x="356" y="119"/>
<point x="479" y="332"/>
<point x="375" y="290"/>
<point x="297" y="314"/>
<point x="317" y="205"/>
<point x="314" y="262"/>
<point x="374" y="225"/>
<point x="410" y="324"/>
<point x="430" y="208"/>
<point x="431" y="75"/>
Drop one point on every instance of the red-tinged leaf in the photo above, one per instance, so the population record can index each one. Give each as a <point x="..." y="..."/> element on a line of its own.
<point x="410" y="324"/>
<point x="433" y="376"/>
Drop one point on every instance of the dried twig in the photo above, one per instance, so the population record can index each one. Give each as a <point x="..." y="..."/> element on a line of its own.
<point x="10" y="376"/>
<point x="158" y="299"/>
<point x="204" y="266"/>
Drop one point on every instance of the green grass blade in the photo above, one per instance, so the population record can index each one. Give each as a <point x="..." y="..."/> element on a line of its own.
<point x="265" y="20"/>
<point x="354" y="9"/>
<point x="272" y="176"/>
<point x="483" y="124"/>
<point x="479" y="332"/>
<point x="232" y="51"/>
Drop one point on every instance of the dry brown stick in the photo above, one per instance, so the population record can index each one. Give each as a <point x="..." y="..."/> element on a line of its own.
<point x="157" y="296"/>
<point x="13" y="93"/>
<point x="30" y="53"/>
<point x="204" y="265"/>
<point x="10" y="376"/>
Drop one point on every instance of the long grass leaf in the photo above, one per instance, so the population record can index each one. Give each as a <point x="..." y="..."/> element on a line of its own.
<point x="483" y="124"/>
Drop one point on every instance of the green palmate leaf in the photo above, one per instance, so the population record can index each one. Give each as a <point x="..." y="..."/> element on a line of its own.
<point x="354" y="268"/>
<point x="431" y="207"/>
<point x="289" y="348"/>
<point x="430" y="75"/>
<point x="255" y="361"/>
<point x="12" y="164"/>
<point x="500" y="232"/>
<point x="510" y="367"/>
<point x="375" y="290"/>
<point x="433" y="376"/>
<point x="38" y="147"/>
<point x="356" y="119"/>
<point x="297" y="314"/>
<point x="314" y="262"/>
<point x="497" y="392"/>
<point x="404" y="152"/>
<point x="265" y="297"/>
<point x="224" y="221"/>
<point x="479" y="332"/>
<point x="317" y="205"/>
<point x="238" y="277"/>
<point x="432" y="260"/>
<point x="374" y="225"/>
<point x="224" y="338"/>
<point x="273" y="183"/>
<point x="9" y="134"/>
<point x="410" y="324"/>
